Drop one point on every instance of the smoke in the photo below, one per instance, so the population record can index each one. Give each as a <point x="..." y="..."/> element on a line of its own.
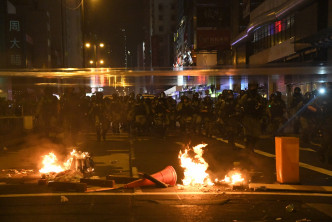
<point x="30" y="153"/>
<point x="253" y="167"/>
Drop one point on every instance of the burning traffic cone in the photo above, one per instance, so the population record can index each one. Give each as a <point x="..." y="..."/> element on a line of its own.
<point x="167" y="176"/>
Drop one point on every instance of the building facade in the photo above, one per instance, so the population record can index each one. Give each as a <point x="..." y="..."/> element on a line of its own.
<point x="160" y="25"/>
<point x="203" y="33"/>
<point x="40" y="34"/>
<point x="283" y="31"/>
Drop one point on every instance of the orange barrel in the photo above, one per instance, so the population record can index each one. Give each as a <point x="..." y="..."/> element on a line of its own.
<point x="287" y="159"/>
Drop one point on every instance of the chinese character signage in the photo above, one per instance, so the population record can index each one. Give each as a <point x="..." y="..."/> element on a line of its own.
<point x="215" y="17"/>
<point x="213" y="39"/>
<point x="14" y="43"/>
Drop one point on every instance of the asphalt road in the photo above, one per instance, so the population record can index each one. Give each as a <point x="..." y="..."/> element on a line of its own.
<point x="124" y="155"/>
<point x="166" y="206"/>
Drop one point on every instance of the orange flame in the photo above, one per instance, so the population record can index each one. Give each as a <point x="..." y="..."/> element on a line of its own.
<point x="195" y="168"/>
<point x="51" y="163"/>
<point x="232" y="178"/>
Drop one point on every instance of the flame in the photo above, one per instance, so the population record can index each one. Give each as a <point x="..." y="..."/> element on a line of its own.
<point x="195" y="168"/>
<point x="232" y="178"/>
<point x="51" y="163"/>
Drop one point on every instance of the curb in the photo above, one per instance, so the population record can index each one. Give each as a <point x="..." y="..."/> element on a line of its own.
<point x="287" y="187"/>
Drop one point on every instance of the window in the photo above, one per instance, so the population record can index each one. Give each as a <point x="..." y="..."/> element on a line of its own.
<point x="161" y="28"/>
<point x="273" y="34"/>
<point x="161" y="17"/>
<point x="160" y="7"/>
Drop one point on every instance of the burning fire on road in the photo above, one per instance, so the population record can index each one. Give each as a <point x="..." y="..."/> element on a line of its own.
<point x="73" y="168"/>
<point x="195" y="169"/>
<point x="74" y="161"/>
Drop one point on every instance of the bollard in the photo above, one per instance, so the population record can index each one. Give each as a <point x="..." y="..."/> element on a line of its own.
<point x="287" y="159"/>
<point x="27" y="122"/>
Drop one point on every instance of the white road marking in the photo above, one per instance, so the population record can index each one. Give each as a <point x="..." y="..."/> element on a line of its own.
<point x="167" y="193"/>
<point x="304" y="165"/>
<point x="293" y="188"/>
<point x="222" y="140"/>
<point x="264" y="153"/>
<point x="317" y="169"/>
<point x="240" y="145"/>
<point x="307" y="149"/>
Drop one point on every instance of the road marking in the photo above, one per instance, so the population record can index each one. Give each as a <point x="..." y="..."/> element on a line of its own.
<point x="317" y="169"/>
<point x="240" y="145"/>
<point x="222" y="140"/>
<point x="166" y="193"/>
<point x="290" y="187"/>
<point x="264" y="153"/>
<point x="304" y="165"/>
<point x="307" y="149"/>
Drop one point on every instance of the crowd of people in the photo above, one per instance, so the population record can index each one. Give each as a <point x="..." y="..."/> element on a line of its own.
<point x="237" y="117"/>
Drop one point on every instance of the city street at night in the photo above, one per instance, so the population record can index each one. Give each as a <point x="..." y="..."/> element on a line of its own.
<point x="165" y="110"/>
<point x="151" y="154"/>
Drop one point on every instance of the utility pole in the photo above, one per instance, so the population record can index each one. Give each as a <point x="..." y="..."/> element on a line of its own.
<point x="125" y="48"/>
<point x="83" y="30"/>
<point x="63" y="34"/>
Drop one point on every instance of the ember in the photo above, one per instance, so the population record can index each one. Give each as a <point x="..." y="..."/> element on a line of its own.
<point x="232" y="178"/>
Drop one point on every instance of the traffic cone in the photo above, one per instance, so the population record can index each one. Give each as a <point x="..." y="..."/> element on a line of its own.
<point x="167" y="176"/>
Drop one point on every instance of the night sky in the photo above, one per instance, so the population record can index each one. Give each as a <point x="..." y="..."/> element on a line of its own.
<point x="106" y="18"/>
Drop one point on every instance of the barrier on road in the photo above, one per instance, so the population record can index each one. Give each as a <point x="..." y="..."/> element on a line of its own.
<point x="287" y="159"/>
<point x="9" y="124"/>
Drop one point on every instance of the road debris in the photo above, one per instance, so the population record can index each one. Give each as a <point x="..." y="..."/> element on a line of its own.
<point x="63" y="199"/>
<point x="290" y="208"/>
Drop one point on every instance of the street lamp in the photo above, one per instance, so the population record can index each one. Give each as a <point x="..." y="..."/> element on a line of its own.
<point x="95" y="55"/>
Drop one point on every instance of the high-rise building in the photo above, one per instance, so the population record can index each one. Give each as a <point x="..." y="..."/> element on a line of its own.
<point x="203" y="33"/>
<point x="40" y="34"/>
<point x="160" y="25"/>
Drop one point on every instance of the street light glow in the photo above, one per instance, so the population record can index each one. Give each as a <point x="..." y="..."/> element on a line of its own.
<point x="101" y="61"/>
<point x="101" y="45"/>
<point x="91" y="62"/>
<point x="322" y="91"/>
<point x="87" y="45"/>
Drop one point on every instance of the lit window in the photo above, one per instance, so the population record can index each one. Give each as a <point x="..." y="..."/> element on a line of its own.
<point x="277" y="26"/>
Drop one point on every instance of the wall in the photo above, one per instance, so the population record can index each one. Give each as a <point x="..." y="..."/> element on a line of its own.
<point x="206" y="59"/>
<point x="265" y="7"/>
<point x="276" y="52"/>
